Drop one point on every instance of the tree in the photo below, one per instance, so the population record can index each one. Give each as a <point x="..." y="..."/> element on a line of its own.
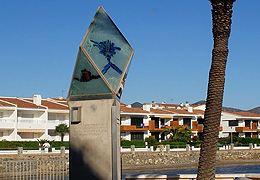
<point x="178" y="133"/>
<point x="62" y="129"/>
<point x="221" y="20"/>
<point x="185" y="134"/>
<point x="174" y="132"/>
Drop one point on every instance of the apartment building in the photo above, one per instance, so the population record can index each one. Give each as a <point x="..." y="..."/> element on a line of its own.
<point x="151" y="119"/>
<point x="242" y="124"/>
<point x="32" y="118"/>
<point x="36" y="118"/>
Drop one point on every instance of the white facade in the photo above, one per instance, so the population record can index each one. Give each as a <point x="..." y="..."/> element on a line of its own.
<point x="23" y="119"/>
<point x="36" y="118"/>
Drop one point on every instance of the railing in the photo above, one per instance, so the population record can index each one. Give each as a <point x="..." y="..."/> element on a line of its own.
<point x="7" y="120"/>
<point x="57" y="169"/>
<point x="31" y="121"/>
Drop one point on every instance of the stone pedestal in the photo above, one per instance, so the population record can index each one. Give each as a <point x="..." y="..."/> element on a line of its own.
<point x="95" y="140"/>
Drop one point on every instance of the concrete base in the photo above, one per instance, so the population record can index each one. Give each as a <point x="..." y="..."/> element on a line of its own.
<point x="95" y="140"/>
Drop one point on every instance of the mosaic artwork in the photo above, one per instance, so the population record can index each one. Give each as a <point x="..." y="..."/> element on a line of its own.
<point x="102" y="63"/>
<point x="108" y="49"/>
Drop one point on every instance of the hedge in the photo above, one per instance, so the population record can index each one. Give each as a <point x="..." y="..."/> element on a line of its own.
<point x="127" y="144"/>
<point x="172" y="144"/>
<point x="11" y="145"/>
<point x="29" y="145"/>
<point x="239" y="141"/>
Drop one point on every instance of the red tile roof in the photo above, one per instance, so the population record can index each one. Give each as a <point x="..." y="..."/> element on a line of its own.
<point x="132" y="110"/>
<point x="21" y="103"/>
<point x="51" y="104"/>
<point x="160" y="111"/>
<point x="244" y="114"/>
<point x="184" y="111"/>
<point x="3" y="103"/>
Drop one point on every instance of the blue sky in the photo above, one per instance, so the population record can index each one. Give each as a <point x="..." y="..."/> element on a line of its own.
<point x="172" y="40"/>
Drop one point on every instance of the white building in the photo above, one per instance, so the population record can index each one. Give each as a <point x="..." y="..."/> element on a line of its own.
<point x="242" y="124"/>
<point x="151" y="119"/>
<point x="36" y="118"/>
<point x="32" y="118"/>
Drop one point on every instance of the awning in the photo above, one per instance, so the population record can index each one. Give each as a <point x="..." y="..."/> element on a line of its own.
<point x="31" y="130"/>
<point x="166" y="117"/>
<point x="58" y="111"/>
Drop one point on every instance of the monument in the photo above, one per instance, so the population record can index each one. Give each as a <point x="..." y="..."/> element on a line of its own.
<point x="94" y="100"/>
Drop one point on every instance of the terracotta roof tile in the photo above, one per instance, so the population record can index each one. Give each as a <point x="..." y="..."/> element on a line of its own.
<point x="21" y="103"/>
<point x="132" y="110"/>
<point x="244" y="114"/>
<point x="160" y="111"/>
<point x="3" y="103"/>
<point x="52" y="104"/>
<point x="185" y="111"/>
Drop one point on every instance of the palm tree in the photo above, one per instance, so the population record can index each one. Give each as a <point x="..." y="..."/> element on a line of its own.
<point x="174" y="132"/>
<point x="62" y="129"/>
<point x="185" y="134"/>
<point x="221" y="20"/>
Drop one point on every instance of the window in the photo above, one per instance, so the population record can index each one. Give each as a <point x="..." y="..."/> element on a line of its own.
<point x="200" y="121"/>
<point x="156" y="121"/>
<point x="1" y="114"/>
<point x="137" y="136"/>
<point x="137" y="122"/>
<point x="247" y="123"/>
<point x="162" y="122"/>
<point x="187" y="121"/>
<point x="233" y="123"/>
<point x="75" y="115"/>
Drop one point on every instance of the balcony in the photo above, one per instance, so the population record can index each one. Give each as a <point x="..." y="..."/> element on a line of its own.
<point x="51" y="124"/>
<point x="196" y="126"/>
<point x="247" y="129"/>
<point x="153" y="128"/>
<point x="133" y="128"/>
<point x="29" y="123"/>
<point x="7" y="123"/>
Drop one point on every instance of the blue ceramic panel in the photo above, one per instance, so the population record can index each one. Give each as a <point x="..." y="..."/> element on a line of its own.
<point x="86" y="80"/>
<point x="107" y="48"/>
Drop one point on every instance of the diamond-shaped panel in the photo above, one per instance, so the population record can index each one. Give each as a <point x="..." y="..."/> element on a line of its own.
<point x="105" y="58"/>
<point x="107" y="48"/>
<point x="86" y="80"/>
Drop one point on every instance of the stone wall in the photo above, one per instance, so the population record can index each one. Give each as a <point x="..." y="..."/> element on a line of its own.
<point x="42" y="156"/>
<point x="144" y="160"/>
<point x="190" y="159"/>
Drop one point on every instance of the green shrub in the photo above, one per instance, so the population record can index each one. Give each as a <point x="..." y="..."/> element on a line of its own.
<point x="29" y="145"/>
<point x="58" y="144"/>
<point x="127" y="144"/>
<point x="13" y="145"/>
<point x="196" y="144"/>
<point x="239" y="141"/>
<point x="150" y="140"/>
<point x="172" y="144"/>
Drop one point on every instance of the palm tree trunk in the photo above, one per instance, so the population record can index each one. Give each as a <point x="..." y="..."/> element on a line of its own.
<point x="221" y="19"/>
